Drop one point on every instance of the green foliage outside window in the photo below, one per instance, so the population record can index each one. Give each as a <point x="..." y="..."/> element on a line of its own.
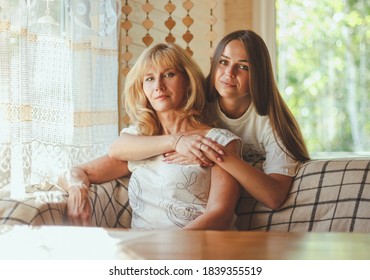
<point x="323" y="71"/>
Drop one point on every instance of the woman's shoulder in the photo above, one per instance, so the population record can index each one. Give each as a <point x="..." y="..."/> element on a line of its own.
<point x="131" y="129"/>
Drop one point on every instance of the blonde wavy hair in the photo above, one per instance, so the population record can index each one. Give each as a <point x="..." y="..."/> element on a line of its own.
<point x="138" y="107"/>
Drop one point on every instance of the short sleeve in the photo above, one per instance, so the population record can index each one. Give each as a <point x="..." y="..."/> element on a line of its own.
<point x="224" y="137"/>
<point x="277" y="161"/>
<point x="132" y="129"/>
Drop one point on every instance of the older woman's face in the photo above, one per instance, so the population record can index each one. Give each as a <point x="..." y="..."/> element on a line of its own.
<point x="165" y="88"/>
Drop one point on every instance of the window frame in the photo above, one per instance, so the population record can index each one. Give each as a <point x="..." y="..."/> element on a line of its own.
<point x="264" y="24"/>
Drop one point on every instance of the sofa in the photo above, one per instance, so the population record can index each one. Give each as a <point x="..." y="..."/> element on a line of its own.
<point x="326" y="195"/>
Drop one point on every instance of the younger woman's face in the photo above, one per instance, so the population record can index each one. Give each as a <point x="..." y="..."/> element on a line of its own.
<point x="165" y="88"/>
<point x="232" y="72"/>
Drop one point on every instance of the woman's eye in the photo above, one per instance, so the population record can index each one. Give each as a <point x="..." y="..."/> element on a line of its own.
<point x="243" y="67"/>
<point x="223" y="62"/>
<point x="148" y="79"/>
<point x="170" y="74"/>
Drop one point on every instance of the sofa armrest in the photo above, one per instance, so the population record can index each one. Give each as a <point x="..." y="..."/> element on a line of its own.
<point x="326" y="195"/>
<point x="43" y="204"/>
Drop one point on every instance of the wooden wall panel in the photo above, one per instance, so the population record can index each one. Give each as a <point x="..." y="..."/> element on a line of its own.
<point x="238" y="15"/>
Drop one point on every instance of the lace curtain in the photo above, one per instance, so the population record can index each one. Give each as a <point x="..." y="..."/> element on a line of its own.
<point x="58" y="86"/>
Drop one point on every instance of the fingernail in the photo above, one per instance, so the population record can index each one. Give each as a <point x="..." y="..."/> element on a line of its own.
<point x="221" y="152"/>
<point x="219" y="159"/>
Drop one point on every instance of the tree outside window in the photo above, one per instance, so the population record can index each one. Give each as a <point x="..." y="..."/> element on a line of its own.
<point x="323" y="71"/>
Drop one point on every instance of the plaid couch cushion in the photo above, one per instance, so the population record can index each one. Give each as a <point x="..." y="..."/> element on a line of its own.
<point x="327" y="195"/>
<point x="110" y="207"/>
<point x="43" y="205"/>
<point x="46" y="205"/>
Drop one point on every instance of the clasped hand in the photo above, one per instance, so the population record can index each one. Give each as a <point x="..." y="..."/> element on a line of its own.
<point x="195" y="149"/>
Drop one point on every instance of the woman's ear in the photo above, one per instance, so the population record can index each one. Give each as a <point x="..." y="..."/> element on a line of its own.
<point x="188" y="92"/>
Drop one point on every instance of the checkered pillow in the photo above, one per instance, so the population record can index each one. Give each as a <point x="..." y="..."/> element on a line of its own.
<point x="43" y="205"/>
<point x="327" y="195"/>
<point x="110" y="207"/>
<point x="46" y="205"/>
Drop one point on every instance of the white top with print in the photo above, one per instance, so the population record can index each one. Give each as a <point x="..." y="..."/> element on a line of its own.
<point x="259" y="142"/>
<point x="169" y="196"/>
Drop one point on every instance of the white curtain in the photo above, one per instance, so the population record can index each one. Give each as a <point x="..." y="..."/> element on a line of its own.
<point x="58" y="86"/>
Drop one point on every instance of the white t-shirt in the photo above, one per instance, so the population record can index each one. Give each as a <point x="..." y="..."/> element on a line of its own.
<point x="169" y="196"/>
<point x="259" y="143"/>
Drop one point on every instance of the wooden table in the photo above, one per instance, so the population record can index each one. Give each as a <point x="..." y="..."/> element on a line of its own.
<point x="248" y="245"/>
<point x="62" y="242"/>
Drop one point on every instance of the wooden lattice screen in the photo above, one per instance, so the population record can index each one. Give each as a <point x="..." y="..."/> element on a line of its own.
<point x="191" y="24"/>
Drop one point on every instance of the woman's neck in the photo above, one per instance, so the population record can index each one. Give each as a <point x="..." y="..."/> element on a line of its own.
<point x="173" y="124"/>
<point x="234" y="108"/>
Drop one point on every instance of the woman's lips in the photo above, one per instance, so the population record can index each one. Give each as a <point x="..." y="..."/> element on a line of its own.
<point x="161" y="97"/>
<point x="228" y="83"/>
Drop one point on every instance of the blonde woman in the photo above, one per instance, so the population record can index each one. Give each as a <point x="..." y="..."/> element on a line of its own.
<point x="164" y="97"/>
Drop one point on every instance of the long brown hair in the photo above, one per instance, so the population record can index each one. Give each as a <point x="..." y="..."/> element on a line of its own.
<point x="263" y="90"/>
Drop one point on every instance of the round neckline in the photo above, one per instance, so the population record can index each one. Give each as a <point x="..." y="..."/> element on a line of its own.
<point x="224" y="117"/>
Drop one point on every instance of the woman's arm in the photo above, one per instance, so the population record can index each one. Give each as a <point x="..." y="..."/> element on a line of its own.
<point x="104" y="169"/>
<point x="270" y="189"/>
<point x="131" y="147"/>
<point x="77" y="181"/>
<point x="180" y="149"/>
<point x="223" y="197"/>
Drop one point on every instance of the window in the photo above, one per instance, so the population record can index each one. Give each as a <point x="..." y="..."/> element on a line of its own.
<point x="323" y="72"/>
<point x="58" y="87"/>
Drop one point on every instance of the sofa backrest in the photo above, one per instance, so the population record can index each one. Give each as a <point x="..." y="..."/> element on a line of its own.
<point x="326" y="195"/>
